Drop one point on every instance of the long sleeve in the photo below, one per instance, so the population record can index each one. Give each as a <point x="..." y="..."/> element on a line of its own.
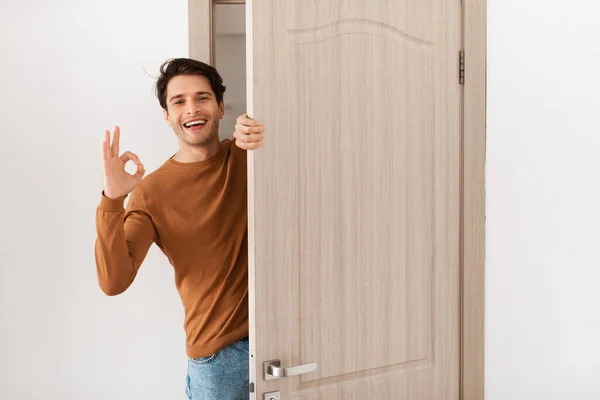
<point x="124" y="237"/>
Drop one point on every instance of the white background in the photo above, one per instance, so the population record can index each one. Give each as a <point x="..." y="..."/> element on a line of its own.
<point x="543" y="200"/>
<point x="70" y="69"/>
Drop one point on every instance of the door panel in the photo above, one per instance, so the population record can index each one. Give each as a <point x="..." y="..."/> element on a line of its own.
<point x="376" y="263"/>
<point x="354" y="199"/>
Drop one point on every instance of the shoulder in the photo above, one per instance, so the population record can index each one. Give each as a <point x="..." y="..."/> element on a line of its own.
<point x="233" y="148"/>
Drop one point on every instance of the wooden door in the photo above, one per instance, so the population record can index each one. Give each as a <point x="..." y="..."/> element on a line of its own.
<point x="354" y="200"/>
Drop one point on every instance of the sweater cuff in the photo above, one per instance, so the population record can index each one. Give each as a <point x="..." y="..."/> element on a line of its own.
<point x="109" y="204"/>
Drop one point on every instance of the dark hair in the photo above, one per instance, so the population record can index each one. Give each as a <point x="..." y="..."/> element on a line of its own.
<point x="186" y="66"/>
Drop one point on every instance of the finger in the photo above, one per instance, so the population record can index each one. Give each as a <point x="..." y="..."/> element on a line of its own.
<point x="257" y="137"/>
<point x="140" y="172"/>
<point x="248" y="122"/>
<point x="115" y="142"/>
<point x="106" y="146"/>
<point x="105" y="149"/>
<point x="244" y="119"/>
<point x="250" y="129"/>
<point x="248" y="146"/>
<point x="130" y="156"/>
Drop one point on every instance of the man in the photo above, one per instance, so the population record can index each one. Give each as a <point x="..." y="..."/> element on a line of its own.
<point x="194" y="207"/>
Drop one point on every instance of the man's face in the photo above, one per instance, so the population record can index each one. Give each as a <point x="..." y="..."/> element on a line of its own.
<point x="192" y="109"/>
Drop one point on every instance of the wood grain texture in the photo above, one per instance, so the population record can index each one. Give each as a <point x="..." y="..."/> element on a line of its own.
<point x="354" y="201"/>
<point x="474" y="150"/>
<point x="200" y="30"/>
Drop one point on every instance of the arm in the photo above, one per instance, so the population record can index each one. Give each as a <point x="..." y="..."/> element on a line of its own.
<point x="124" y="237"/>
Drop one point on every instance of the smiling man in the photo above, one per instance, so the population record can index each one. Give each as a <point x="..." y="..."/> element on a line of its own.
<point x="194" y="207"/>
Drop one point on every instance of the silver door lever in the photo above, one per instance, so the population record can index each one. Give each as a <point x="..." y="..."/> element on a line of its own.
<point x="273" y="369"/>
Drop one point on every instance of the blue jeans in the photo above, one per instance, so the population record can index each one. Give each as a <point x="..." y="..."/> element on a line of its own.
<point x="221" y="376"/>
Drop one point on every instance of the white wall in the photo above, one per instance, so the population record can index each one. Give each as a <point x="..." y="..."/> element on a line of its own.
<point x="68" y="70"/>
<point x="543" y="200"/>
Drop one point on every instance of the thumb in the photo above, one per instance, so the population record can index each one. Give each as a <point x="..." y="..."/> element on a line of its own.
<point x="140" y="172"/>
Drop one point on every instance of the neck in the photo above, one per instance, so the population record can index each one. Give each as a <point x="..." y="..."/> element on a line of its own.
<point x="188" y="153"/>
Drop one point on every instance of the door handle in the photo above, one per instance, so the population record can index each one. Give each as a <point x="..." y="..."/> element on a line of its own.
<point x="273" y="369"/>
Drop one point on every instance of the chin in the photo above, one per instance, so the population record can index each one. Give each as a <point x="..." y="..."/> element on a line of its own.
<point x="198" y="141"/>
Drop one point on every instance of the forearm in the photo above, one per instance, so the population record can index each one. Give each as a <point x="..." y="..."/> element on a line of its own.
<point x="115" y="267"/>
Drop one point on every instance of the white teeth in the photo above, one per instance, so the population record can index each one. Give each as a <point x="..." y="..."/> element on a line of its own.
<point x="199" y="122"/>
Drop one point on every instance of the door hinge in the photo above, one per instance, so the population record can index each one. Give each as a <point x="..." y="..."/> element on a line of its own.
<point x="461" y="67"/>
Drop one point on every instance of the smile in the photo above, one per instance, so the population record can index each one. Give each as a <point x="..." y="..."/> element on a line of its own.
<point x="195" y="123"/>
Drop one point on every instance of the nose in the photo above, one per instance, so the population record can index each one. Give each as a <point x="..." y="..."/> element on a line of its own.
<point x="192" y="108"/>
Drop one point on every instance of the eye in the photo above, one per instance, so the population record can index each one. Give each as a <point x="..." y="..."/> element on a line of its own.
<point x="179" y="102"/>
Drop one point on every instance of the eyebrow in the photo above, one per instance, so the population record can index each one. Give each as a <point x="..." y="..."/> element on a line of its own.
<point x="181" y="95"/>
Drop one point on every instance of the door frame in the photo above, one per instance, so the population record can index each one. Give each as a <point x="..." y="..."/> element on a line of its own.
<point x="473" y="200"/>
<point x="201" y="36"/>
<point x="472" y="263"/>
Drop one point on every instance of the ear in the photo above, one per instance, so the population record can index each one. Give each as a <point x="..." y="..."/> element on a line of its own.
<point x="166" y="113"/>
<point x="221" y="109"/>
